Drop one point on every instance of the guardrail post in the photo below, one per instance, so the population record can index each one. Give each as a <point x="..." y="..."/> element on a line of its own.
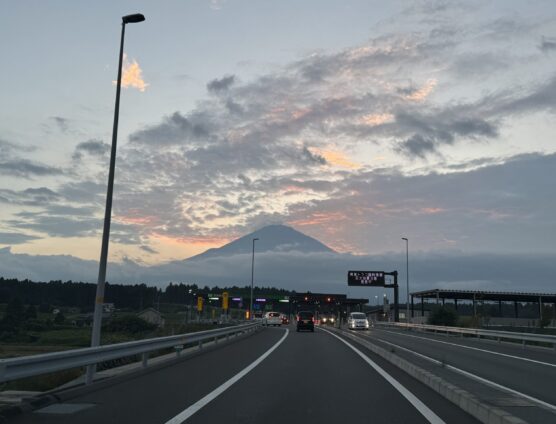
<point x="523" y="344"/>
<point x="178" y="348"/>
<point x="200" y="344"/>
<point x="145" y="359"/>
<point x="215" y="339"/>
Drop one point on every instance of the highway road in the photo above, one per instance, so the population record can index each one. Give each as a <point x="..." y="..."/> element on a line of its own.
<point x="530" y="371"/>
<point x="274" y="376"/>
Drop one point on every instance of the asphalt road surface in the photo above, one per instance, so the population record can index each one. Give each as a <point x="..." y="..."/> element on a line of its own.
<point x="275" y="376"/>
<point x="531" y="371"/>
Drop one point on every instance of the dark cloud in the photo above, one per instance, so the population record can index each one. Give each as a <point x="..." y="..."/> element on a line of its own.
<point x="58" y="226"/>
<point x="148" y="249"/>
<point x="24" y="168"/>
<point x="13" y="165"/>
<point x="175" y="129"/>
<point x="72" y="211"/>
<point x="480" y="64"/>
<point x="221" y="85"/>
<point x="418" y="146"/>
<point x="547" y="44"/>
<point x="234" y="108"/>
<point x="492" y="206"/>
<point x="542" y="97"/>
<point x="442" y="128"/>
<point x="7" y="149"/>
<point x="62" y="123"/>
<point x="91" y="147"/>
<point x="313" y="157"/>
<point x="30" y="197"/>
<point x="15" y="238"/>
<point x="84" y="192"/>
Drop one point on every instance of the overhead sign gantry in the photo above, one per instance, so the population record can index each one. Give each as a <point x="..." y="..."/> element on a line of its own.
<point x="376" y="279"/>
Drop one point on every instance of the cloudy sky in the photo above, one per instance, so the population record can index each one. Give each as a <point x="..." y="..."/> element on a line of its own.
<point x="355" y="122"/>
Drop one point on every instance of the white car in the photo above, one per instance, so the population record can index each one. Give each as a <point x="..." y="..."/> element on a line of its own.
<point x="272" y="318"/>
<point x="358" y="320"/>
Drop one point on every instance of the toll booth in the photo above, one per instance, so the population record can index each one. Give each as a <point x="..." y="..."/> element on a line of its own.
<point x="326" y="303"/>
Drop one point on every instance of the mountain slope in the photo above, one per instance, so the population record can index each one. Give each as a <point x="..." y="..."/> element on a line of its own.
<point x="276" y="238"/>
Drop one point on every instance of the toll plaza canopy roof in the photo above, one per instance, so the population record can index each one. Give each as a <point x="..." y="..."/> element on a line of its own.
<point x="485" y="295"/>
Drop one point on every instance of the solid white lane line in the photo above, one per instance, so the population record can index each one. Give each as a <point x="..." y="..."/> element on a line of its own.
<point x="474" y="376"/>
<point x="188" y="412"/>
<point x="473" y="348"/>
<point x="424" y="410"/>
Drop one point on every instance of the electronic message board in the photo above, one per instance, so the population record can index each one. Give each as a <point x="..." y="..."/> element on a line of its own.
<point x="366" y="278"/>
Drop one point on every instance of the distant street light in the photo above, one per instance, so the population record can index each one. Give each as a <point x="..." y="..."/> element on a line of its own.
<point x="407" y="277"/>
<point x="376" y="300"/>
<point x="99" y="298"/>
<point x="252" y="276"/>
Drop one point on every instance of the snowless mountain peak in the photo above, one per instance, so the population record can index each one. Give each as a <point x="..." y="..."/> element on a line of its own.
<point x="277" y="238"/>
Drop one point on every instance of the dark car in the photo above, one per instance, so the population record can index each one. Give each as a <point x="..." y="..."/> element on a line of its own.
<point x="305" y="321"/>
<point x="327" y="319"/>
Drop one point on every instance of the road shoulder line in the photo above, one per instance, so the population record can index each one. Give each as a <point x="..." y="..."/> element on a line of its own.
<point x="492" y="352"/>
<point x="485" y="413"/>
<point x="473" y="376"/>
<point x="423" y="409"/>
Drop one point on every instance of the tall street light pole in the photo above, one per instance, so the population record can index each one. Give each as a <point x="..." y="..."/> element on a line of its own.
<point x="252" y="275"/>
<point x="99" y="298"/>
<point x="407" y="276"/>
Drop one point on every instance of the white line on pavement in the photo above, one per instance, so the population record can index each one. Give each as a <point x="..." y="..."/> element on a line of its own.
<point x="417" y="404"/>
<point x="473" y="348"/>
<point x="188" y="412"/>
<point x="474" y="376"/>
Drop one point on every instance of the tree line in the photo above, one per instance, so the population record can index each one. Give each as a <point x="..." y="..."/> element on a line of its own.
<point x="136" y="296"/>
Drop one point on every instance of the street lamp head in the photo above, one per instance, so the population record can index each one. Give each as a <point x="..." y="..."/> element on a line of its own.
<point x="404" y="238"/>
<point x="255" y="239"/>
<point x="132" y="19"/>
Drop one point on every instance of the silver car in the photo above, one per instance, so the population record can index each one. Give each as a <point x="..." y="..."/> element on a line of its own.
<point x="272" y="318"/>
<point x="358" y="321"/>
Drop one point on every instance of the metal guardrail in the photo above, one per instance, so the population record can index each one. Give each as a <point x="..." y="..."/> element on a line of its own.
<point x="29" y="366"/>
<point x="477" y="332"/>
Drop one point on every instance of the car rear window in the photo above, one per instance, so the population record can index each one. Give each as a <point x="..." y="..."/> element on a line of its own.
<point x="274" y="314"/>
<point x="305" y="315"/>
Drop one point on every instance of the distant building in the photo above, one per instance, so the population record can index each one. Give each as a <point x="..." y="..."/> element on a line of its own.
<point x="86" y="320"/>
<point x="152" y="316"/>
